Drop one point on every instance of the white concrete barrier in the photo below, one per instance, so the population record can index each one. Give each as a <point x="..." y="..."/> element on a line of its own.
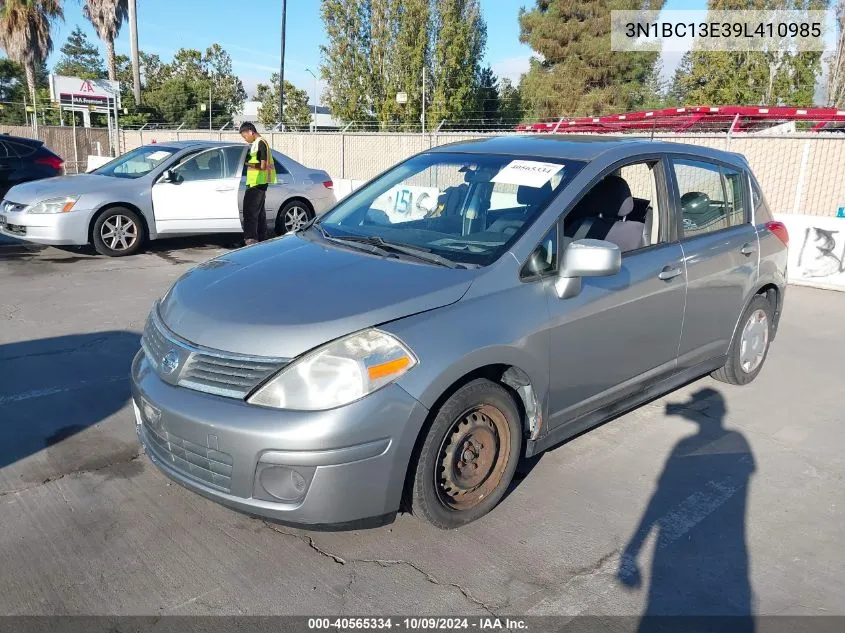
<point x="816" y="250"/>
<point x="96" y="161"/>
<point x="343" y="187"/>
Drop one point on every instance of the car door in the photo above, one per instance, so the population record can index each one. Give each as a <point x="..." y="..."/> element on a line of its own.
<point x="9" y="163"/>
<point x="622" y="330"/>
<point x="720" y="251"/>
<point x="201" y="197"/>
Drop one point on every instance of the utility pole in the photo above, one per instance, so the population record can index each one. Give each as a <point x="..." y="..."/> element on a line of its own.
<point x="209" y="108"/>
<point x="282" y="69"/>
<point x="311" y="72"/>
<point x="423" y="102"/>
<point x="133" y="44"/>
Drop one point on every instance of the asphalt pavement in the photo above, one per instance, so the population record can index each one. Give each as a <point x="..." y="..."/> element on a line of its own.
<point x="726" y="499"/>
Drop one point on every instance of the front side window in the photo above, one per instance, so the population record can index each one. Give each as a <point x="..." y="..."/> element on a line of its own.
<point x="465" y="207"/>
<point x="234" y="159"/>
<point x="206" y="165"/>
<point x="702" y="197"/>
<point x="136" y="163"/>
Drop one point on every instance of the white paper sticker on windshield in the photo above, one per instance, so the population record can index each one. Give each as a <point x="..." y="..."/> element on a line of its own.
<point x="160" y="155"/>
<point x="530" y="173"/>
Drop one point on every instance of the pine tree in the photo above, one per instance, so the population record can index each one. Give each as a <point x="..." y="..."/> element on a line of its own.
<point x="575" y="71"/>
<point x="836" y="64"/>
<point x="510" y="102"/>
<point x="80" y="58"/>
<point x="775" y="77"/>
<point x="488" y="96"/>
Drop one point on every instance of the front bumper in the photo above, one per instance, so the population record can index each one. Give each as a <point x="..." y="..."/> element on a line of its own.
<point x="350" y="462"/>
<point x="47" y="228"/>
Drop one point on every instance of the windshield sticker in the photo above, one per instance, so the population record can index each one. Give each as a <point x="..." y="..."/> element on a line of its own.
<point x="530" y="173"/>
<point x="404" y="203"/>
<point x="158" y="155"/>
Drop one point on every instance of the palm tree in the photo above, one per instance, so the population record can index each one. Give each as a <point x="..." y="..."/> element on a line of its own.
<point x="25" y="33"/>
<point x="107" y="16"/>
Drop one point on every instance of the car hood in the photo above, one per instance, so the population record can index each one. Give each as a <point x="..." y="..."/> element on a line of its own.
<point x="37" y="190"/>
<point x="287" y="296"/>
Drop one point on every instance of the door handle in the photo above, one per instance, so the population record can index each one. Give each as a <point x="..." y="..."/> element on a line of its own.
<point x="669" y="272"/>
<point x="747" y="249"/>
<point x="224" y="189"/>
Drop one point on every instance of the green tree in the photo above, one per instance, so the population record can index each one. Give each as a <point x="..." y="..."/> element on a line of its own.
<point x="575" y="71"/>
<point x="178" y="91"/>
<point x="107" y="16"/>
<point x="411" y="55"/>
<point x="460" y="38"/>
<point x="25" y="33"/>
<point x="80" y="58"/>
<point x="345" y="67"/>
<point x="510" y="102"/>
<point x="488" y="95"/>
<point x="775" y="77"/>
<point x="297" y="112"/>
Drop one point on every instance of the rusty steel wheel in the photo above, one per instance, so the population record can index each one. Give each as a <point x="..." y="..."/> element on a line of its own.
<point x="466" y="458"/>
<point x="474" y="456"/>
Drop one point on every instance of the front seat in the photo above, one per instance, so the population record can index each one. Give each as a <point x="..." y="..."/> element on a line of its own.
<point x="603" y="215"/>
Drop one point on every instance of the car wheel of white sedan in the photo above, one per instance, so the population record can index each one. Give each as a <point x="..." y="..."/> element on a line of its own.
<point x="118" y="232"/>
<point x="293" y="217"/>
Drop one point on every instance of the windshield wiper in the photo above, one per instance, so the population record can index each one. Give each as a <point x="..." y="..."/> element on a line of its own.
<point x="420" y="252"/>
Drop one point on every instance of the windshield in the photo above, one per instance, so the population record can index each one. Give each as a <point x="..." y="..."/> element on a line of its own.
<point x="464" y="207"/>
<point x="139" y="162"/>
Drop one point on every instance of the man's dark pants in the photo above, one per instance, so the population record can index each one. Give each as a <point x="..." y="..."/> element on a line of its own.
<point x="255" y="217"/>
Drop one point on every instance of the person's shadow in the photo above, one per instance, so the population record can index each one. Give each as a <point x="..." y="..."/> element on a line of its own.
<point x="700" y="564"/>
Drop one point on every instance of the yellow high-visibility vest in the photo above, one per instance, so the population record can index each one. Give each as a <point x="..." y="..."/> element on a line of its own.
<point x="254" y="175"/>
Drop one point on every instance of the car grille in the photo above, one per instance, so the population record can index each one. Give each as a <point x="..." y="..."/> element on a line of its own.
<point x="209" y="371"/>
<point x="205" y="464"/>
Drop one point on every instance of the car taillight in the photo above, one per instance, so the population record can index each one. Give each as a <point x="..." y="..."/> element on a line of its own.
<point x="779" y="229"/>
<point x="328" y="184"/>
<point x="51" y="161"/>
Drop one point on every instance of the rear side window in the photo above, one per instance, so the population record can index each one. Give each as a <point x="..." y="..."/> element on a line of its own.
<point x="735" y="197"/>
<point x="19" y="149"/>
<point x="280" y="169"/>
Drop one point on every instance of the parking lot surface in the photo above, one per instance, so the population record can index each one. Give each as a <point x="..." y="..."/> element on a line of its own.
<point x="729" y="497"/>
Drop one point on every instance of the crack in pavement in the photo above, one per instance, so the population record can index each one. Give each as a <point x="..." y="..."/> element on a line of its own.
<point x="82" y="471"/>
<point x="381" y="562"/>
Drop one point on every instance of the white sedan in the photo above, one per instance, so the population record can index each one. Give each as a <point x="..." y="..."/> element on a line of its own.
<point x="158" y="191"/>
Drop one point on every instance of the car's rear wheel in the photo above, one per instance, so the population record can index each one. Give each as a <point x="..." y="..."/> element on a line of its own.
<point x="118" y="232"/>
<point x="293" y="216"/>
<point x="468" y="457"/>
<point x="750" y="345"/>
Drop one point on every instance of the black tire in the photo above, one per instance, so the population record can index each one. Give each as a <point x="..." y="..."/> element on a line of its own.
<point x="449" y="495"/>
<point x="747" y="354"/>
<point x="118" y="232"/>
<point x="293" y="214"/>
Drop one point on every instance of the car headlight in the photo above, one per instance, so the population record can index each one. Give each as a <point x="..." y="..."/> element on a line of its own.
<point x="54" y="205"/>
<point x="337" y="373"/>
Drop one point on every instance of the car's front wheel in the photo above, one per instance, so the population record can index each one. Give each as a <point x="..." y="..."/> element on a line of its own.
<point x="293" y="216"/>
<point x="468" y="457"/>
<point x="118" y="232"/>
<point x="750" y="346"/>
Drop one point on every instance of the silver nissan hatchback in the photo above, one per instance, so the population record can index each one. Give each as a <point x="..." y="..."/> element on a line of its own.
<point x="474" y="305"/>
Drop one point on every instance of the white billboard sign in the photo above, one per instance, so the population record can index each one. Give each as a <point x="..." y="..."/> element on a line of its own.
<point x="101" y="94"/>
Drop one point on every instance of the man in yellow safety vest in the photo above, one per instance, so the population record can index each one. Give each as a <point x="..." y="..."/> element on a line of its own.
<point x="260" y="172"/>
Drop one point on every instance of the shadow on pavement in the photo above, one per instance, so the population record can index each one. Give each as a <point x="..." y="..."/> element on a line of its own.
<point x="698" y="510"/>
<point x="54" y="388"/>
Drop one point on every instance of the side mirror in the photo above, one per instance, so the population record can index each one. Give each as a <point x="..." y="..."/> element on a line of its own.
<point x="586" y="258"/>
<point x="170" y="176"/>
